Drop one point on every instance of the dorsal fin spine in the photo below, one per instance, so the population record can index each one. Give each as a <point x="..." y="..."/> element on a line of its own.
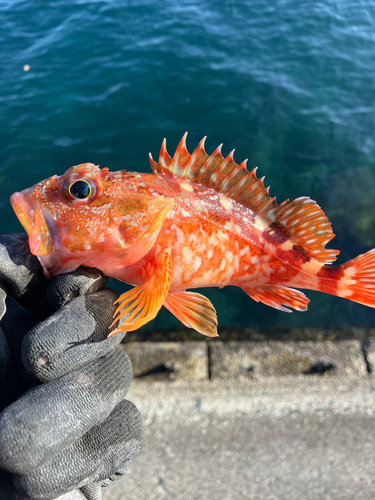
<point x="164" y="158"/>
<point x="230" y="157"/>
<point x="153" y="163"/>
<point x="232" y="179"/>
<point x="204" y="173"/>
<point x="197" y="158"/>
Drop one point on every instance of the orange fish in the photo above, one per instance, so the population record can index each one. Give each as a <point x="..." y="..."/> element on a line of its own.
<point x="197" y="221"/>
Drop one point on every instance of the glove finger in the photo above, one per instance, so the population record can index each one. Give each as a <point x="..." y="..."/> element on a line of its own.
<point x="21" y="274"/>
<point x="92" y="491"/>
<point x="94" y="457"/>
<point x="3" y="296"/>
<point x="15" y="323"/>
<point x="47" y="418"/>
<point x="73" y="336"/>
<point x="20" y="271"/>
<point x="10" y="387"/>
<point x="83" y="281"/>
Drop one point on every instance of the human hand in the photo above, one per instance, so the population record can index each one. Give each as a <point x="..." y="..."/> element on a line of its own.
<point x="71" y="431"/>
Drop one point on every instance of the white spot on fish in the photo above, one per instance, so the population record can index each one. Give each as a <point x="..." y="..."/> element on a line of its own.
<point x="287" y="245"/>
<point x="185" y="213"/>
<point x="187" y="255"/>
<point x="227" y="204"/>
<point x="186" y="187"/>
<point x="229" y="274"/>
<point x="261" y="224"/>
<point x="212" y="240"/>
<point x="312" y="267"/>
<point x="344" y="282"/>
<point x="188" y="274"/>
<point x="208" y="276"/>
<point x="222" y="236"/>
<point x="210" y="254"/>
<point x="344" y="293"/>
<point x="229" y="256"/>
<point x="236" y="262"/>
<point x="197" y="264"/>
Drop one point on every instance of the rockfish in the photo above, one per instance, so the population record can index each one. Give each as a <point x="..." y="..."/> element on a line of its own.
<point x="196" y="221"/>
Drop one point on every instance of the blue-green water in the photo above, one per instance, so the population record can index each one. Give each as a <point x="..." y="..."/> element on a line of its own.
<point x="289" y="84"/>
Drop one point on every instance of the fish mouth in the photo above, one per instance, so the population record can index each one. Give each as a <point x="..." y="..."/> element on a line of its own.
<point x="33" y="218"/>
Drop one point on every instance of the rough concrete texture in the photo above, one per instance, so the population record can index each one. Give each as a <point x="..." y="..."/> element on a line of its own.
<point x="267" y="359"/>
<point x="293" y="438"/>
<point x="168" y="360"/>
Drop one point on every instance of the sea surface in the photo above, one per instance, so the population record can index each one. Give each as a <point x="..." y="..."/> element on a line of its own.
<point x="289" y="84"/>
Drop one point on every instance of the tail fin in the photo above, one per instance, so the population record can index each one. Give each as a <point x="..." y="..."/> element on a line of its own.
<point x="357" y="282"/>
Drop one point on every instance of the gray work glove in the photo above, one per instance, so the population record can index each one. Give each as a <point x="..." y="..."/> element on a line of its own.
<point x="65" y="428"/>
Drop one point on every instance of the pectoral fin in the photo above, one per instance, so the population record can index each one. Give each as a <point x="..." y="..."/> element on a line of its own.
<point x="194" y="311"/>
<point x="141" y="304"/>
<point x="143" y="219"/>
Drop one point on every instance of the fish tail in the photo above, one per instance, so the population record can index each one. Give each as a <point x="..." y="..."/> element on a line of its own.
<point x="354" y="280"/>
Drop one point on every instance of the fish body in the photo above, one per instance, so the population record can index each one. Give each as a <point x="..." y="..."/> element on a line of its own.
<point x="197" y="221"/>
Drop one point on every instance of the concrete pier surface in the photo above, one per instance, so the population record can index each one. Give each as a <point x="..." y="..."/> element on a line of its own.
<point x="309" y="437"/>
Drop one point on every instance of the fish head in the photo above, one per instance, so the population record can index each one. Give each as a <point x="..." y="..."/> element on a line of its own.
<point x="90" y="216"/>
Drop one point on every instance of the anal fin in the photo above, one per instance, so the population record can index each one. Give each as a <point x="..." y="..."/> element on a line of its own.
<point x="278" y="297"/>
<point x="141" y="304"/>
<point x="194" y="311"/>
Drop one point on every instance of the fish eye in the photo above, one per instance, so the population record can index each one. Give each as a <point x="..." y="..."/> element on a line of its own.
<point x="80" y="189"/>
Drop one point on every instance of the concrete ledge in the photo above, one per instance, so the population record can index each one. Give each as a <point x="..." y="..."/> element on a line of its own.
<point x="270" y="359"/>
<point x="168" y="360"/>
<point x="225" y="360"/>
<point x="280" y="334"/>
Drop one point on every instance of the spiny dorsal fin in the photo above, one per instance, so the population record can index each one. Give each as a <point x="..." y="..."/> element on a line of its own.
<point x="222" y="174"/>
<point x="302" y="221"/>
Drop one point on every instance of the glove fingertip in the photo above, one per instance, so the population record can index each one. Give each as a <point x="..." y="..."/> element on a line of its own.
<point x="83" y="281"/>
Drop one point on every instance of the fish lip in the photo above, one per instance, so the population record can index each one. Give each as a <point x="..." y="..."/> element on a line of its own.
<point x="36" y="221"/>
<point x="47" y="263"/>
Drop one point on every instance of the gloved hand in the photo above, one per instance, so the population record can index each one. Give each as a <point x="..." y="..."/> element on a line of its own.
<point x="71" y="431"/>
